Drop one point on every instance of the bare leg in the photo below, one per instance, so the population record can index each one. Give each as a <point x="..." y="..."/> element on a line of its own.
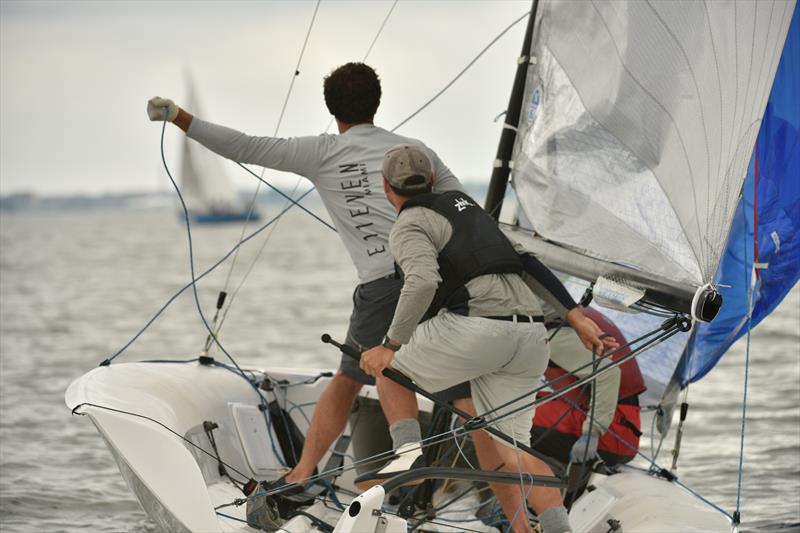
<point x="328" y="422"/>
<point x="509" y="496"/>
<point x="540" y="498"/>
<point x="397" y="401"/>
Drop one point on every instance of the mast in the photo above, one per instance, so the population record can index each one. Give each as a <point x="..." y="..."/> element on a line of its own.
<point x="502" y="169"/>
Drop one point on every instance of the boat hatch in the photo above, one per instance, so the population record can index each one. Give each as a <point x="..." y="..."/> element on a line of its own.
<point x="249" y="421"/>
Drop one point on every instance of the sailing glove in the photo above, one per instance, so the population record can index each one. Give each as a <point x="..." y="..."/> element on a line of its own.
<point x="158" y="108"/>
<point x="584" y="449"/>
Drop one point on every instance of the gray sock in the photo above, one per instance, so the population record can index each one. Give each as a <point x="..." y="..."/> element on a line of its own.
<point x="555" y="520"/>
<point x="405" y="431"/>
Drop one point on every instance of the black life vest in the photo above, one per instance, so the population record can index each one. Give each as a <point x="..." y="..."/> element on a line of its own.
<point x="476" y="247"/>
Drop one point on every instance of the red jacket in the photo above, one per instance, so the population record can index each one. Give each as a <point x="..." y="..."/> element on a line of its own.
<point x="626" y="423"/>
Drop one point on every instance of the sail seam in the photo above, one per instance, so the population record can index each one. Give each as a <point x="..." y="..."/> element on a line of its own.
<point x="627" y="147"/>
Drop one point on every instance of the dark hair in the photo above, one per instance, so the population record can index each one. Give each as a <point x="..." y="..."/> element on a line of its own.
<point x="352" y="93"/>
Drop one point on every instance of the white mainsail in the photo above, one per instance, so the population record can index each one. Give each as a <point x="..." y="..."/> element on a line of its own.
<point x="204" y="184"/>
<point x="638" y="123"/>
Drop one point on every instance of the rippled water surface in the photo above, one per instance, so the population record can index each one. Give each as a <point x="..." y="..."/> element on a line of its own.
<point x="74" y="289"/>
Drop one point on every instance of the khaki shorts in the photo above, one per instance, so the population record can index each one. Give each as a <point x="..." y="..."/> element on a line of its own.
<point x="501" y="360"/>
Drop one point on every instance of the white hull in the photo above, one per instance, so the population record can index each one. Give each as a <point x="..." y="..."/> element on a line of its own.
<point x="179" y="486"/>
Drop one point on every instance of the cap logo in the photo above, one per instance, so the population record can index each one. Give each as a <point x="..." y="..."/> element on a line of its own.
<point x="463" y="203"/>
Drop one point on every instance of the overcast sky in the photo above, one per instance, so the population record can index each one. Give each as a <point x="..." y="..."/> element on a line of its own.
<point x="75" y="78"/>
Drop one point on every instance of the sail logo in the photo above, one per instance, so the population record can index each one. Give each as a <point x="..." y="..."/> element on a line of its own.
<point x="533" y="105"/>
<point x="462" y="203"/>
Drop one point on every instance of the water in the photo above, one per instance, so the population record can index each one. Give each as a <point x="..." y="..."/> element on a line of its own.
<point x="76" y="287"/>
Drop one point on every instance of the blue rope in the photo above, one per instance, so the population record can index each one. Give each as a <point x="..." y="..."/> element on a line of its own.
<point x="286" y="196"/>
<point x="223" y="515"/>
<point x="204" y="274"/>
<point x="262" y="400"/>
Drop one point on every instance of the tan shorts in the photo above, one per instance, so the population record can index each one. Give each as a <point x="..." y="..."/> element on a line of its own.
<point x="501" y="360"/>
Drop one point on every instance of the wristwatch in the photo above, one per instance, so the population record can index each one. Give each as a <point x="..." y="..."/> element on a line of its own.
<point x="388" y="343"/>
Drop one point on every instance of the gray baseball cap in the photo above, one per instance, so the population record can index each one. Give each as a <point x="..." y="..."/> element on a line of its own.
<point x="408" y="169"/>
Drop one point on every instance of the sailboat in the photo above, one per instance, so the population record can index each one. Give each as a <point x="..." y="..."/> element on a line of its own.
<point x="206" y="188"/>
<point x="655" y="160"/>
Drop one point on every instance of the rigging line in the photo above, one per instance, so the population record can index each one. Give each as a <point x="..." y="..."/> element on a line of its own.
<point x="447" y="435"/>
<point x="297" y="68"/>
<point x="254" y="262"/>
<point x="297" y="183"/>
<point x="369" y="50"/>
<point x="654" y="333"/>
<point x="654" y="466"/>
<point x="750" y="288"/>
<point x="294" y="202"/>
<point x="258" y="187"/>
<point x="462" y="528"/>
<point x="464" y="70"/>
<point x="557" y="394"/>
<point x="198" y="278"/>
<point x="522" y="507"/>
<point x="585" y="462"/>
<point x="193" y="284"/>
<point x="191" y="250"/>
<point x="75" y="411"/>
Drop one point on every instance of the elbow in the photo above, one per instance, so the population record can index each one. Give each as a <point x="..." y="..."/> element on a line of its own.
<point x="420" y="285"/>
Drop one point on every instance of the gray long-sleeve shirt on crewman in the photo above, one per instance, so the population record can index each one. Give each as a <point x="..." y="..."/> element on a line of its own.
<point x="345" y="169"/>
<point x="415" y="242"/>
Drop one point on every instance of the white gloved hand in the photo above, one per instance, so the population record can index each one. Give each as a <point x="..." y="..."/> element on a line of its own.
<point x="579" y="452"/>
<point x="158" y="108"/>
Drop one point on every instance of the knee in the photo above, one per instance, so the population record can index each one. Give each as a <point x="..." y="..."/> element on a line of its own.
<point x="345" y="385"/>
<point x="466" y="405"/>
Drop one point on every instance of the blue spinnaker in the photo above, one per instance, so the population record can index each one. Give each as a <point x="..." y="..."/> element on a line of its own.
<point x="771" y="204"/>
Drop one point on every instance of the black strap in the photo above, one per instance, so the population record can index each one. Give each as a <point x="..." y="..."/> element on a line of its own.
<point x="520" y="318"/>
<point x="630" y="425"/>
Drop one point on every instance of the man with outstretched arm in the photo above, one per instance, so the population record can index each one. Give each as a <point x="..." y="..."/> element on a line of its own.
<point x="345" y="169"/>
<point x="465" y="314"/>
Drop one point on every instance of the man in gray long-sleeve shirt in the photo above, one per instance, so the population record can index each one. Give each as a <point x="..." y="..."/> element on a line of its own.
<point x="465" y="313"/>
<point x="345" y="169"/>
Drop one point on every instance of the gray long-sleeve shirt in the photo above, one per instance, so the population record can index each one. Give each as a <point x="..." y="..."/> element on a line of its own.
<point x="415" y="242"/>
<point x="345" y="169"/>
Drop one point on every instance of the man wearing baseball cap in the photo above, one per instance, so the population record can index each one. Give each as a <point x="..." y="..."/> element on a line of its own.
<point x="465" y="314"/>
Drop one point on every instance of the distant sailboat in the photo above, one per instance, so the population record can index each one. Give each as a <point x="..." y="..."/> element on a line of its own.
<point x="207" y="190"/>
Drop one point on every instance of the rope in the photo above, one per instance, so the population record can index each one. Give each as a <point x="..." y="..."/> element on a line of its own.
<point x="663" y="334"/>
<point x="258" y="187"/>
<point x="198" y="278"/>
<point x="191" y="248"/>
<point x="463" y="71"/>
<point x="750" y="286"/>
<point x="121" y="411"/>
<point x="369" y="50"/>
<point x="281" y="213"/>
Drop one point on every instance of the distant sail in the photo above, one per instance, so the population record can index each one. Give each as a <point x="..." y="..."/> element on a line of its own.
<point x="206" y="188"/>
